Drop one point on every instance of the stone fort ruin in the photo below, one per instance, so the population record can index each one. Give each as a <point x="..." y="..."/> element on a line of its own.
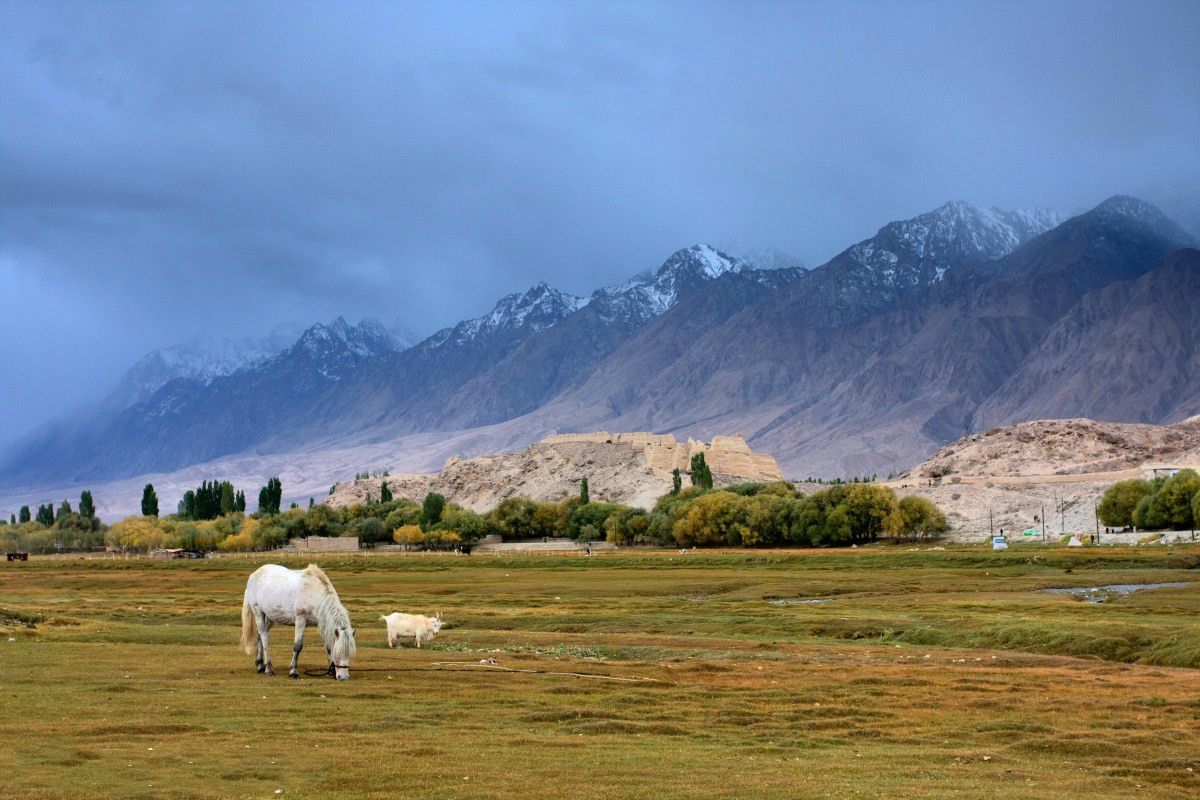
<point x="726" y="455"/>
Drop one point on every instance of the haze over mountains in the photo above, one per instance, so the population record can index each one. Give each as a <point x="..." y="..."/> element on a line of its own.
<point x="950" y="322"/>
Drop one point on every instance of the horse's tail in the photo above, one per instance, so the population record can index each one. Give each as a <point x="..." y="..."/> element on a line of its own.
<point x="248" y="643"/>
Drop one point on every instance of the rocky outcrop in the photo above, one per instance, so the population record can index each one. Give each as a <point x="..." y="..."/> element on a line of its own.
<point x="1061" y="447"/>
<point x="630" y="468"/>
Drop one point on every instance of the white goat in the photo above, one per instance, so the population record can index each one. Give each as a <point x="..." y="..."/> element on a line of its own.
<point x="420" y="627"/>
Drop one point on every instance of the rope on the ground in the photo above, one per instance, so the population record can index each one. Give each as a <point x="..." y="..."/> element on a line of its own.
<point x="451" y="666"/>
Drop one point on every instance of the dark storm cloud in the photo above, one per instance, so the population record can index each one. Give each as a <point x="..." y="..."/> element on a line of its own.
<point x="173" y="169"/>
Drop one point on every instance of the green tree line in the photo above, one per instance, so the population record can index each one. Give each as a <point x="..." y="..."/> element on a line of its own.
<point x="1156" y="504"/>
<point x="745" y="515"/>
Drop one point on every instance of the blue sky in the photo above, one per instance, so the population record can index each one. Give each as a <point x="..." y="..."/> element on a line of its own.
<point x="169" y="170"/>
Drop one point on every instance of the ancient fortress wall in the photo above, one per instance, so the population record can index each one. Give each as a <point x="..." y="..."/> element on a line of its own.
<point x="727" y="455"/>
<point x="325" y="544"/>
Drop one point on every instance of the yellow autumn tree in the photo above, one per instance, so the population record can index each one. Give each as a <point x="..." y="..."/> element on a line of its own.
<point x="243" y="540"/>
<point x="409" y="535"/>
<point x="136" y="533"/>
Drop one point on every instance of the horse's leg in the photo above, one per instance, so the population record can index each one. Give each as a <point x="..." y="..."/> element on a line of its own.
<point x="297" y="646"/>
<point x="264" y="627"/>
<point x="260" y="652"/>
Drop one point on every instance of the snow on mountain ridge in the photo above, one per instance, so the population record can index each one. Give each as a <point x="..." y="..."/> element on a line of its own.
<point x="1119" y="210"/>
<point x="541" y="307"/>
<point x="198" y="359"/>
<point x="648" y="294"/>
<point x="762" y="257"/>
<point x="919" y="250"/>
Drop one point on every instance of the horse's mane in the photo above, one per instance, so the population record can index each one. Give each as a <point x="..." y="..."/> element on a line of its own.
<point x="331" y="614"/>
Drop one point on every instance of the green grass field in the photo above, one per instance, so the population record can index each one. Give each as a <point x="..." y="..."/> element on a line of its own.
<point x="636" y="675"/>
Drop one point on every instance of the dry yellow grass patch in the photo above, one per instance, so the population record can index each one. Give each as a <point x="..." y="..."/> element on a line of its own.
<point x="132" y="684"/>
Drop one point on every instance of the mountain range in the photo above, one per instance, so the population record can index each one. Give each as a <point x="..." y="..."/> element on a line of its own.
<point x="947" y="323"/>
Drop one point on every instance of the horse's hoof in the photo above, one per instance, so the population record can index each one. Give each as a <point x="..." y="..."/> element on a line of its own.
<point x="293" y="676"/>
<point x="260" y="670"/>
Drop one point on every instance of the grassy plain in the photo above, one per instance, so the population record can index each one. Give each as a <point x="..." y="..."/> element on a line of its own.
<point x="931" y="674"/>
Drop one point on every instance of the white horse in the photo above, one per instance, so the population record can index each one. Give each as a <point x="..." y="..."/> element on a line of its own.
<point x="300" y="597"/>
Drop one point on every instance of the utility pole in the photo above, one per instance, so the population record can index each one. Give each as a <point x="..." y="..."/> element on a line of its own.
<point x="1043" y="523"/>
<point x="991" y="529"/>
<point x="1096" y="514"/>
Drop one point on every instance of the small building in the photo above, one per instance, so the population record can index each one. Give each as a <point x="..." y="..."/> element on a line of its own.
<point x="1162" y="470"/>
<point x="166" y="552"/>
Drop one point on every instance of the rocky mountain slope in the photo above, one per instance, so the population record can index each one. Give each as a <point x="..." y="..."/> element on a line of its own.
<point x="934" y="328"/>
<point x="842" y="371"/>
<point x="1129" y="351"/>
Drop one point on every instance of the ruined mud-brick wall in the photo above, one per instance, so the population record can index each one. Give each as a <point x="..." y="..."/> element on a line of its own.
<point x="325" y="544"/>
<point x="727" y="454"/>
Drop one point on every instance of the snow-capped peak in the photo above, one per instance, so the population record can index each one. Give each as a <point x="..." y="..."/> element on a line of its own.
<point x="713" y="262"/>
<point x="918" y="251"/>
<point x="762" y="257"/>
<point x="198" y="359"/>
<point x="648" y="294"/>
<point x="366" y="339"/>
<point x="538" y="309"/>
<point x="1122" y="211"/>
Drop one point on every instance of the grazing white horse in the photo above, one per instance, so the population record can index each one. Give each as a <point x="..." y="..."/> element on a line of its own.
<point x="300" y="597"/>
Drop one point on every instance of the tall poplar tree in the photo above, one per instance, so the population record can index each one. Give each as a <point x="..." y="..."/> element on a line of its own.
<point x="149" y="501"/>
<point x="228" y="501"/>
<point x="87" y="508"/>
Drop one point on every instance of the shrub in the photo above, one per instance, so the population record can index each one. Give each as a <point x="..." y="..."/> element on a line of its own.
<point x="1120" y="500"/>
<point x="915" y="517"/>
<point x="594" y="514"/>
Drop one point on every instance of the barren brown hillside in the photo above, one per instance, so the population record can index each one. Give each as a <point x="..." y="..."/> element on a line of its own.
<point x="1062" y="447"/>
<point x="630" y="468"/>
<point x="1047" y="474"/>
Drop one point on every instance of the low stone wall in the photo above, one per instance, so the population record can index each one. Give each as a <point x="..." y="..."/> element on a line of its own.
<point x="540" y="547"/>
<point x="324" y="544"/>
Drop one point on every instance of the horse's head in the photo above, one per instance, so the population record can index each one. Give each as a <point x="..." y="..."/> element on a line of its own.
<point x="437" y="622"/>
<point x="342" y="651"/>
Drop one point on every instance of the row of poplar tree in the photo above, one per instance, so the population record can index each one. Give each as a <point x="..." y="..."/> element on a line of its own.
<point x="46" y="515"/>
<point x="212" y="499"/>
